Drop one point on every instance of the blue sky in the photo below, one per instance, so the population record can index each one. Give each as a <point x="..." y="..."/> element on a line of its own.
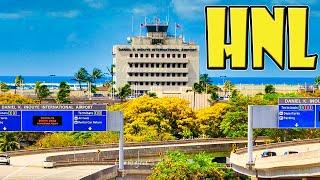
<point x="43" y="37"/>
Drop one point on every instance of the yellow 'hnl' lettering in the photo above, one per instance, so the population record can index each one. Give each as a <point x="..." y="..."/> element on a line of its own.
<point x="228" y="31"/>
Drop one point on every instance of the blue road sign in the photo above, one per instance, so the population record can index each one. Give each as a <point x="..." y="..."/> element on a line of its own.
<point x="53" y="118"/>
<point x="299" y="113"/>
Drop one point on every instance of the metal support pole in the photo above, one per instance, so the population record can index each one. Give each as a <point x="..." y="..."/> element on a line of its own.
<point x="121" y="144"/>
<point x="250" y="138"/>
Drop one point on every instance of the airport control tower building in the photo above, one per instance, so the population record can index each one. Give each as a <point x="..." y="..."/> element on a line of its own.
<point x="156" y="60"/>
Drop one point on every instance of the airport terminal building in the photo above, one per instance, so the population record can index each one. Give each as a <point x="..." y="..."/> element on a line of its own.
<point x="157" y="61"/>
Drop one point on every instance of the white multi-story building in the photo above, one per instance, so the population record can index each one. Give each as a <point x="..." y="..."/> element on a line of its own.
<point x="156" y="61"/>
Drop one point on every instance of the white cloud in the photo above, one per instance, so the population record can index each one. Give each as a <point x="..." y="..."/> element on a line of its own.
<point x="15" y="15"/>
<point x="64" y="14"/>
<point x="144" y="10"/>
<point x="96" y="4"/>
<point x="191" y="9"/>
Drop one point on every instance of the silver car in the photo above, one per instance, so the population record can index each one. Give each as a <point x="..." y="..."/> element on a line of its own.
<point x="5" y="159"/>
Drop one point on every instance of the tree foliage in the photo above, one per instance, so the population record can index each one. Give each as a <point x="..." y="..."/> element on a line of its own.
<point x="42" y="91"/>
<point x="177" y="165"/>
<point x="8" y="142"/>
<point x="269" y="89"/>
<point x="4" y="87"/>
<point x="124" y="92"/>
<point x="63" y="95"/>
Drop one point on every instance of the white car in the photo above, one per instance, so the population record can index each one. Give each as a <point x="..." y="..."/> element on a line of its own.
<point x="5" y="159"/>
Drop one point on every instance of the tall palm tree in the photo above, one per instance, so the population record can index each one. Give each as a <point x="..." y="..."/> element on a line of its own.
<point x="8" y="142"/>
<point x="204" y="79"/>
<point x="18" y="82"/>
<point x="111" y="73"/>
<point x="41" y="91"/>
<point x="96" y="74"/>
<point x="81" y="76"/>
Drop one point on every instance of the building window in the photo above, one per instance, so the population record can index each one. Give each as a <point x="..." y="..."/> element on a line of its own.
<point x="184" y="56"/>
<point x="130" y="65"/>
<point x="136" y="55"/>
<point x="168" y="65"/>
<point x="147" y="83"/>
<point x="184" y="74"/>
<point x="179" y="74"/>
<point x="152" y="55"/>
<point x="162" y="74"/>
<point x="168" y="83"/>
<point x="130" y="83"/>
<point x="173" y="65"/>
<point x="162" y="83"/>
<point x="157" y="83"/>
<point x="173" y="83"/>
<point x="130" y="74"/>
<point x="135" y="74"/>
<point x="152" y="65"/>
<point x="173" y="55"/>
<point x="178" y="83"/>
<point x="168" y="55"/>
<point x="131" y="55"/>
<point x="179" y="55"/>
<point x="162" y="65"/>
<point x="141" y="55"/>
<point x="162" y="55"/>
<point x="147" y="74"/>
<point x="157" y="55"/>
<point x="152" y="74"/>
<point x="184" y="83"/>
<point x="173" y="75"/>
<point x="147" y="55"/>
<point x="157" y="65"/>
<point x="141" y="74"/>
<point x="157" y="74"/>
<point x="184" y="65"/>
<point x="141" y="83"/>
<point x="168" y="74"/>
<point x="178" y="65"/>
<point x="136" y="65"/>
<point x="151" y="83"/>
<point x="141" y="65"/>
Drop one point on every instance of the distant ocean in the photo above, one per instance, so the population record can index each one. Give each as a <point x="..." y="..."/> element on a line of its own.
<point x="213" y="80"/>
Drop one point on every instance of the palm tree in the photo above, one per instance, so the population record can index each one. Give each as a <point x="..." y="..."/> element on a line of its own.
<point x="41" y="91"/>
<point x="18" y="82"/>
<point x="96" y="74"/>
<point x="81" y="76"/>
<point x="8" y="142"/>
<point x="63" y="93"/>
<point x="228" y="87"/>
<point x="204" y="79"/>
<point x="111" y="73"/>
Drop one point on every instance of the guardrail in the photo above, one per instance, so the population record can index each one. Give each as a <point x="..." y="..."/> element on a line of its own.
<point x="280" y="144"/>
<point x="115" y="145"/>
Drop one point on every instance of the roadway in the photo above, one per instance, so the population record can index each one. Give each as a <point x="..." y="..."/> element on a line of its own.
<point x="30" y="166"/>
<point x="304" y="164"/>
<point x="35" y="173"/>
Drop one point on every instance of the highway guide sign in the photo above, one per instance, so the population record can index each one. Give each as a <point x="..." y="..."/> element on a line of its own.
<point x="53" y="117"/>
<point x="298" y="113"/>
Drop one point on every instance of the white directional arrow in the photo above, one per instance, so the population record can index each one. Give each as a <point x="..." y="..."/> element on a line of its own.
<point x="4" y="128"/>
<point x="90" y="128"/>
<point x="296" y="125"/>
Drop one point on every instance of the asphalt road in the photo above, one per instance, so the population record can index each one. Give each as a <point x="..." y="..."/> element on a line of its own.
<point x="30" y="166"/>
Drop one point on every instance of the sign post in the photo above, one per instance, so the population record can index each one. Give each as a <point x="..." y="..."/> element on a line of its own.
<point x="63" y="118"/>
